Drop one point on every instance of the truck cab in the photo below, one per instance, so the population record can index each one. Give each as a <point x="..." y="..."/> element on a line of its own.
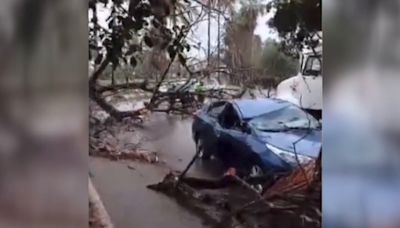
<point x="305" y="89"/>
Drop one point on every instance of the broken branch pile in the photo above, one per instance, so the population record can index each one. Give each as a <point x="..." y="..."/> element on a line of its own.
<point x="299" y="180"/>
<point x="105" y="142"/>
<point x="291" y="201"/>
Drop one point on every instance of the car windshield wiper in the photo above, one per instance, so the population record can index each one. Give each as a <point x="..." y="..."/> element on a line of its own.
<point x="300" y="128"/>
<point x="272" y="130"/>
<point x="308" y="127"/>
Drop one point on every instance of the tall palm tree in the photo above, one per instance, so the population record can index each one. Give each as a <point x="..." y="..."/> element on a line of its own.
<point x="240" y="36"/>
<point x="223" y="6"/>
<point x="226" y="4"/>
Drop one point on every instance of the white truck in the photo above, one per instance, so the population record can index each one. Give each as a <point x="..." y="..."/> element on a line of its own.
<point x="305" y="89"/>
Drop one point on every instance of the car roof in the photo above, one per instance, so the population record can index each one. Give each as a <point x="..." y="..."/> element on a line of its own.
<point x="250" y="108"/>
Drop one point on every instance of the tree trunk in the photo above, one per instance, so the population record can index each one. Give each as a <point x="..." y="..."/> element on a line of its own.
<point x="209" y="33"/>
<point x="112" y="77"/>
<point x="219" y="43"/>
<point x="95" y="95"/>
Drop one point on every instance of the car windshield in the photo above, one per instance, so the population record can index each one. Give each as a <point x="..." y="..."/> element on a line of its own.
<point x="286" y="118"/>
<point x="313" y="66"/>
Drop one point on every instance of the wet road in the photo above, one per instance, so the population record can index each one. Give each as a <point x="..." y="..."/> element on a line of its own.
<point x="171" y="137"/>
<point x="128" y="201"/>
<point x="123" y="190"/>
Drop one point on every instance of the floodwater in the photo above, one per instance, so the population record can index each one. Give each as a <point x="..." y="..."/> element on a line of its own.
<point x="171" y="137"/>
<point x="123" y="189"/>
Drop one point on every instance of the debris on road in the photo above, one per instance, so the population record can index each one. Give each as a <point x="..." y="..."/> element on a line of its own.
<point x="134" y="155"/>
<point x="235" y="202"/>
<point x="299" y="180"/>
<point x="106" y="141"/>
<point x="110" y="148"/>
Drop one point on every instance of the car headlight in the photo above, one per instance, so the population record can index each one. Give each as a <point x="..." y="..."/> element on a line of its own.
<point x="289" y="157"/>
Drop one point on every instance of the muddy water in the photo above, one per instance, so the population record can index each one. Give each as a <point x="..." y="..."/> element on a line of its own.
<point x="171" y="137"/>
<point x="123" y="190"/>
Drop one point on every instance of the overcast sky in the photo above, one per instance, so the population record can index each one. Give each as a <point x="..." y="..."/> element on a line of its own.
<point x="201" y="32"/>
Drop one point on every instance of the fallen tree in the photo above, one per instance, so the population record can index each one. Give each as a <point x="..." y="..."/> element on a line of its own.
<point x="129" y="34"/>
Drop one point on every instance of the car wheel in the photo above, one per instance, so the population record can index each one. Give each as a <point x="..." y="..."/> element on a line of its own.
<point x="256" y="171"/>
<point x="201" y="151"/>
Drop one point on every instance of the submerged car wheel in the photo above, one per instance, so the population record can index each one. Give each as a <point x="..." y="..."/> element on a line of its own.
<point x="201" y="151"/>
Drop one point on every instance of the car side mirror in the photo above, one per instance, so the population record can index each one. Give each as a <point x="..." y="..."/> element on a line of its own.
<point x="245" y="127"/>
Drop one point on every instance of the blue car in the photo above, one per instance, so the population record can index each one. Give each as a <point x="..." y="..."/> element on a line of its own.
<point x="256" y="136"/>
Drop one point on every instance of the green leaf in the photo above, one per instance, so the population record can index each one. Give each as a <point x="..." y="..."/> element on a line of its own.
<point x="133" y="61"/>
<point x="92" y="47"/>
<point x="128" y="23"/>
<point x="115" y="62"/>
<point x="156" y="23"/>
<point x="117" y="2"/>
<point x="188" y="47"/>
<point x="148" y="41"/>
<point x="98" y="59"/>
<point x="171" y="52"/>
<point x="146" y="10"/>
<point x="182" y="59"/>
<point x="138" y="25"/>
<point x="132" y="49"/>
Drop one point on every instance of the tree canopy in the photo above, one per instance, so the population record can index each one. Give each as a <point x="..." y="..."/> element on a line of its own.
<point x="274" y="62"/>
<point x="143" y="32"/>
<point x="298" y="23"/>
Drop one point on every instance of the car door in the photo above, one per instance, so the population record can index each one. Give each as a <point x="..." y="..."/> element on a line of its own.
<point x="210" y="131"/>
<point x="231" y="138"/>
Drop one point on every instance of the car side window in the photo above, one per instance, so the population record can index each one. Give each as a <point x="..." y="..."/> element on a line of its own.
<point x="230" y="119"/>
<point x="216" y="109"/>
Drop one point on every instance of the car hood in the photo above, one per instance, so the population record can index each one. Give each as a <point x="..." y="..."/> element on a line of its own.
<point x="310" y="145"/>
<point x="304" y="91"/>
